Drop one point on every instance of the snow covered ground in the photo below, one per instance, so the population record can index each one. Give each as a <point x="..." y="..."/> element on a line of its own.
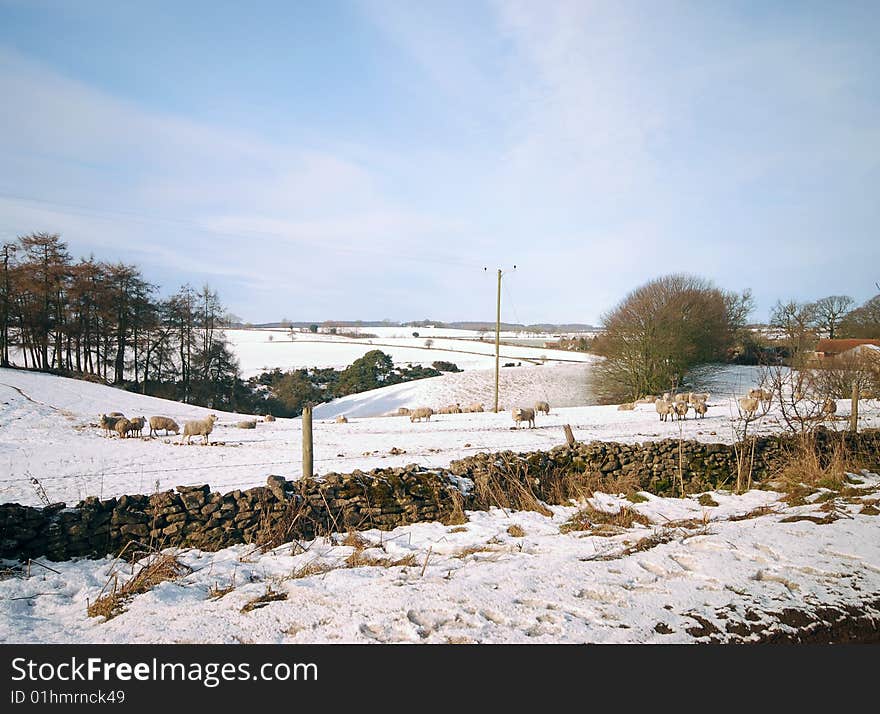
<point x="690" y="573"/>
<point x="478" y="582"/>
<point x="48" y="431"/>
<point x="259" y="350"/>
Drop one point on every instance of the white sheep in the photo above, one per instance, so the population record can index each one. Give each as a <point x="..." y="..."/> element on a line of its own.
<point x="137" y="425"/>
<point x="341" y="419"/>
<point x="421" y="413"/>
<point x="542" y="407"/>
<point x="122" y="427"/>
<point x="765" y="395"/>
<point x="403" y="411"/>
<point x="108" y="422"/>
<point x="647" y="399"/>
<point x="700" y="408"/>
<point x="521" y="414"/>
<point x="748" y="405"/>
<point x="268" y="417"/>
<point x="696" y="397"/>
<point x="682" y="397"/>
<point x="164" y="423"/>
<point x="198" y="427"/>
<point x="681" y="410"/>
<point x="663" y="408"/>
<point x="626" y="407"/>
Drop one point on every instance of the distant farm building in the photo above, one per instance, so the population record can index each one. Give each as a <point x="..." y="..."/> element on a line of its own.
<point x="826" y="349"/>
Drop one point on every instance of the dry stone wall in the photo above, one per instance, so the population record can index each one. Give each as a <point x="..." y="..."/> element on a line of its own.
<point x="382" y="498"/>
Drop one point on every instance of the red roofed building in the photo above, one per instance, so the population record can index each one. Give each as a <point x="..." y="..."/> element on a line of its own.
<point x="833" y="348"/>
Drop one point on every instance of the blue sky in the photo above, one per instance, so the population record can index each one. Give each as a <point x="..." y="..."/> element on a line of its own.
<point x="366" y="160"/>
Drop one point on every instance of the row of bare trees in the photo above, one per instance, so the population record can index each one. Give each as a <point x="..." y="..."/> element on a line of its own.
<point x="834" y="316"/>
<point x="104" y="319"/>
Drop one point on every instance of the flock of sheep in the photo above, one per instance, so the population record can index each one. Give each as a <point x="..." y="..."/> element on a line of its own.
<point x="519" y="414"/>
<point x="116" y="421"/>
<point x="679" y="404"/>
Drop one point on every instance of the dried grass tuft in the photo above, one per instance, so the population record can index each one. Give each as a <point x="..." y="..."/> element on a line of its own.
<point x="158" y="568"/>
<point x="269" y="596"/>
<point x="592" y="519"/>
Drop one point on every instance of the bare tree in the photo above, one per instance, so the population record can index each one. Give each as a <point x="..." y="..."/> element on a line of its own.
<point x="796" y="320"/>
<point x="662" y="329"/>
<point x="830" y="311"/>
<point x="864" y="321"/>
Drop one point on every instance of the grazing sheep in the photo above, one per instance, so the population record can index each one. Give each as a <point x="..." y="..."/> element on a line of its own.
<point x="765" y="395"/>
<point x="829" y="407"/>
<point x="695" y="398"/>
<point x="116" y="414"/>
<point x="664" y="408"/>
<point x="647" y="399"/>
<point x="164" y="423"/>
<point x="108" y="422"/>
<point x="137" y="425"/>
<point x="268" y="417"/>
<point x="122" y="427"/>
<point x="247" y="424"/>
<point x="700" y="408"/>
<point x="681" y="410"/>
<point x="451" y="409"/>
<point x="521" y="414"/>
<point x="198" y="427"/>
<point x="421" y="413"/>
<point x="473" y="408"/>
<point x="403" y="411"/>
<point x="748" y="405"/>
<point x="542" y="407"/>
<point x="627" y="407"/>
<point x="341" y="419"/>
<point x="682" y="397"/>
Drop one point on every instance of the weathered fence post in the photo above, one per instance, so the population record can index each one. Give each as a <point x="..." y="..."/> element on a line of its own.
<point x="854" y="415"/>
<point x="307" y="453"/>
<point x="569" y="437"/>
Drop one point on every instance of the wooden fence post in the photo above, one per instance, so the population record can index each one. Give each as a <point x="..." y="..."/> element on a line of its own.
<point x="307" y="453"/>
<point x="569" y="437"/>
<point x="854" y="415"/>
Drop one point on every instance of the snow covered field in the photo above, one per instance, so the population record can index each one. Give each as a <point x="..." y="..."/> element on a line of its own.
<point x="48" y="431"/>
<point x="259" y="350"/>
<point x="690" y="573"/>
<point x="479" y="582"/>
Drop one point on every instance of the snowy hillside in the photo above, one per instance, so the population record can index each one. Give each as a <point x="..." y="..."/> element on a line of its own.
<point x="48" y="431"/>
<point x="259" y="350"/>
<point x="688" y="571"/>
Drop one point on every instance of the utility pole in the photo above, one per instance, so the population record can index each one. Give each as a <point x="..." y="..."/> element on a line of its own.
<point x="498" y="336"/>
<point x="497" y="339"/>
